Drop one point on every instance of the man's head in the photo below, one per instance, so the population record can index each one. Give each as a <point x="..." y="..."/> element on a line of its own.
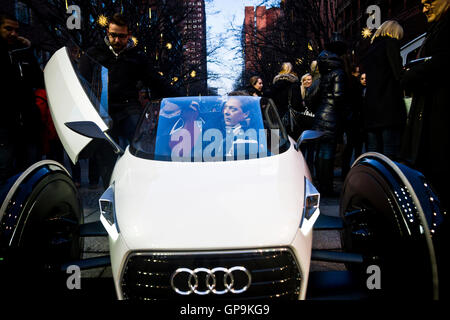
<point x="118" y="32"/>
<point x="435" y="9"/>
<point x="234" y="113"/>
<point x="355" y="71"/>
<point x="9" y="29"/>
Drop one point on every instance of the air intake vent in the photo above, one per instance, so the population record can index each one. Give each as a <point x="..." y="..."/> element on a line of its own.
<point x="254" y="274"/>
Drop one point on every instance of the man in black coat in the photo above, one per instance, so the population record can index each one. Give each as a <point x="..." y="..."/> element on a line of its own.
<point x="20" y="122"/>
<point x="128" y="69"/>
<point x="427" y="136"/>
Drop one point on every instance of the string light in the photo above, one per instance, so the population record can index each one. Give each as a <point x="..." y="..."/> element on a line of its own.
<point x="366" y="33"/>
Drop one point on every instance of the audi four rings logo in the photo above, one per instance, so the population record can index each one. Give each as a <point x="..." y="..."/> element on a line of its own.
<point x="211" y="279"/>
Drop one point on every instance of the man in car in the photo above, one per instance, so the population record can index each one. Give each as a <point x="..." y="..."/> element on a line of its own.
<point x="20" y="122"/>
<point x="233" y="113"/>
<point x="240" y="134"/>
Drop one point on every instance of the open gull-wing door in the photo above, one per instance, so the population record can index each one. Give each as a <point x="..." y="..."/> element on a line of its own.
<point x="75" y="97"/>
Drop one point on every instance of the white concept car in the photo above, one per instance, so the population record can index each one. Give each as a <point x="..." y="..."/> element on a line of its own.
<point x="206" y="204"/>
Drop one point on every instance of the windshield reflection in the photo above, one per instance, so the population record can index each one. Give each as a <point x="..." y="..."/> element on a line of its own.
<point x="208" y="129"/>
<point x="94" y="83"/>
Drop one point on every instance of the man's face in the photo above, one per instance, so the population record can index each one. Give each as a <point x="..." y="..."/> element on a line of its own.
<point x="434" y="10"/>
<point x="118" y="36"/>
<point x="8" y="31"/>
<point x="232" y="113"/>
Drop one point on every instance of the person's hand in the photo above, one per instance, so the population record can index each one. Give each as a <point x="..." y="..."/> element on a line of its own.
<point x="24" y="41"/>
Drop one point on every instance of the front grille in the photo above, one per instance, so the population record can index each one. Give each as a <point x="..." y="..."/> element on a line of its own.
<point x="274" y="274"/>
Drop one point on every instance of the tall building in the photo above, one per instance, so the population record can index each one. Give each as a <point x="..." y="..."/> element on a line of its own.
<point x="260" y="30"/>
<point x="194" y="47"/>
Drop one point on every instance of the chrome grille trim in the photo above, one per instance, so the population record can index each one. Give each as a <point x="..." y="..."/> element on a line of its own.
<point x="289" y="275"/>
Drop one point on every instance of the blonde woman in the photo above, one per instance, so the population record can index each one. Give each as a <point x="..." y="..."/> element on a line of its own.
<point x="385" y="112"/>
<point x="285" y="92"/>
<point x="306" y="82"/>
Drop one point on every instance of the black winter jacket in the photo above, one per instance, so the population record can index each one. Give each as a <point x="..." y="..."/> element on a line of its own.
<point x="328" y="117"/>
<point x="283" y="86"/>
<point x="125" y="71"/>
<point x="427" y="135"/>
<point x="385" y="106"/>
<point x="20" y="76"/>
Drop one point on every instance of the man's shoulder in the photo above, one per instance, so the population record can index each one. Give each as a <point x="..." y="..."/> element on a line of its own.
<point x="97" y="49"/>
<point x="135" y="53"/>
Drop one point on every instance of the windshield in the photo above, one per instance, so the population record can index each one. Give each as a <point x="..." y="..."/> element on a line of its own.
<point x="208" y="129"/>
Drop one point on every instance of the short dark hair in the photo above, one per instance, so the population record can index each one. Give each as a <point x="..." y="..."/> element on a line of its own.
<point x="355" y="67"/>
<point x="119" y="20"/>
<point x="6" y="16"/>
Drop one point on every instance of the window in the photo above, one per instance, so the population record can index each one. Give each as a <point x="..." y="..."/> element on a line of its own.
<point x="23" y="13"/>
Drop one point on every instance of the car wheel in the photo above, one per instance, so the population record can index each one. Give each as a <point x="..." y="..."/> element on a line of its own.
<point x="381" y="222"/>
<point x="45" y="233"/>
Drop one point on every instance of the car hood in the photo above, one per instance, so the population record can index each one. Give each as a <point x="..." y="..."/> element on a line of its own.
<point x="209" y="205"/>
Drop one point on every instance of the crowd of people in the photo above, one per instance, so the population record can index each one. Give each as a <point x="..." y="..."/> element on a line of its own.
<point x="361" y="107"/>
<point x="27" y="133"/>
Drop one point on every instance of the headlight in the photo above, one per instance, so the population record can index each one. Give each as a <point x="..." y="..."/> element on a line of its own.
<point x="310" y="207"/>
<point x="108" y="212"/>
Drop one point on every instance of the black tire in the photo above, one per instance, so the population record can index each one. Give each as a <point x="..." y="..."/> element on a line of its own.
<point x="46" y="236"/>
<point x="376" y="226"/>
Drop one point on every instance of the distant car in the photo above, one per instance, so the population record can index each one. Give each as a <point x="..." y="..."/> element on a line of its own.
<point x="211" y="200"/>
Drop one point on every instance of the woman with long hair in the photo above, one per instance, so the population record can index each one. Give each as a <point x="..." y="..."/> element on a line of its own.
<point x="255" y="88"/>
<point x="285" y="93"/>
<point x="385" y="111"/>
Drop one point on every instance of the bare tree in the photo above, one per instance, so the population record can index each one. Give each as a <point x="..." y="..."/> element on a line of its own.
<point x="155" y="27"/>
<point x="298" y="35"/>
